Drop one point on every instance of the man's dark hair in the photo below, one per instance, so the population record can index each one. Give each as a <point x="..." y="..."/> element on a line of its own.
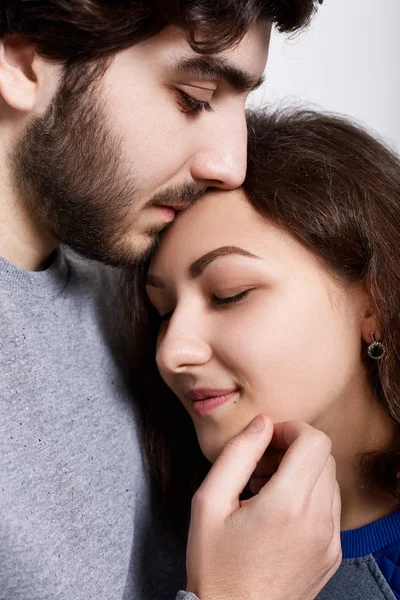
<point x="77" y="30"/>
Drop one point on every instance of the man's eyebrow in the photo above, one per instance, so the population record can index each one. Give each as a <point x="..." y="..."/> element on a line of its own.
<point x="198" y="266"/>
<point x="213" y="67"/>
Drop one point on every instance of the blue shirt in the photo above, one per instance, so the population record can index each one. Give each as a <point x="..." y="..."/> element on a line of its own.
<point x="381" y="539"/>
<point x="370" y="568"/>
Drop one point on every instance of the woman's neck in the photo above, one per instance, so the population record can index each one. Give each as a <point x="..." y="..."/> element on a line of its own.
<point x="360" y="425"/>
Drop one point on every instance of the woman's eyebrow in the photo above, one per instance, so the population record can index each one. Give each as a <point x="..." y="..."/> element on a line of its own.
<point x="198" y="266"/>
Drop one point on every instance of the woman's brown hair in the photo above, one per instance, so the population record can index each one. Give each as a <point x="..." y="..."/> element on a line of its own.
<point x="337" y="189"/>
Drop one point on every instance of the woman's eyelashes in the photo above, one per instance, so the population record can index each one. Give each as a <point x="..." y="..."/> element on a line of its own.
<point x="215" y="301"/>
<point x="230" y="299"/>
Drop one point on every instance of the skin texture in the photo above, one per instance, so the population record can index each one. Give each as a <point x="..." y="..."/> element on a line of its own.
<point x="291" y="347"/>
<point x="88" y="168"/>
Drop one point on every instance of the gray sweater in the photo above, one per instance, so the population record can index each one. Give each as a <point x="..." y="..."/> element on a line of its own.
<point x="76" y="514"/>
<point x="76" y="518"/>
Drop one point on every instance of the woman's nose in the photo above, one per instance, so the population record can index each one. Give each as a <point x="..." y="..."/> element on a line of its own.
<point x="178" y="352"/>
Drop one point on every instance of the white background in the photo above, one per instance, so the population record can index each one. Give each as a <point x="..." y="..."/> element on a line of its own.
<point x="347" y="62"/>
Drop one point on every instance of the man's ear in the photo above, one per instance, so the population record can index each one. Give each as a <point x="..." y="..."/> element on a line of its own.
<point x="18" y="80"/>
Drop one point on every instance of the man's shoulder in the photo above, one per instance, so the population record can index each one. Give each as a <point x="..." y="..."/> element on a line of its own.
<point x="357" y="578"/>
<point x="90" y="278"/>
<point x="102" y="290"/>
<point x="90" y="271"/>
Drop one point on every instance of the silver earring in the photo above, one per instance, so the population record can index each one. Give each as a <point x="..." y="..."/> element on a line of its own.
<point x="376" y="350"/>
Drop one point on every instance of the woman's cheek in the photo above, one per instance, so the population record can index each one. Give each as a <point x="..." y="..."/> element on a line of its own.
<point x="241" y="342"/>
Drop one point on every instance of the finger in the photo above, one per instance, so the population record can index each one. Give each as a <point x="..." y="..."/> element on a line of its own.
<point x="334" y="551"/>
<point x="325" y="488"/>
<point x="266" y="467"/>
<point x="257" y="483"/>
<point x="233" y="468"/>
<point x="308" y="451"/>
<point x="269" y="463"/>
<point x="287" y="432"/>
<point x="337" y="511"/>
<point x="335" y="544"/>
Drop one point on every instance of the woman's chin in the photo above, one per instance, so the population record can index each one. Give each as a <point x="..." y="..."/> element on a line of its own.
<point x="211" y="448"/>
<point x="212" y="443"/>
<point x="212" y="455"/>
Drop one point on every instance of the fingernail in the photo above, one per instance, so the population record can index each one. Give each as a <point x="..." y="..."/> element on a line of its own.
<point x="256" y="425"/>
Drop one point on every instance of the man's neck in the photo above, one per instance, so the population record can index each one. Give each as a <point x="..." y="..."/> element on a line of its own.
<point x="23" y="242"/>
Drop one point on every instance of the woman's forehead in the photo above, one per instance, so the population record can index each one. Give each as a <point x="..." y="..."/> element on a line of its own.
<point x="218" y="218"/>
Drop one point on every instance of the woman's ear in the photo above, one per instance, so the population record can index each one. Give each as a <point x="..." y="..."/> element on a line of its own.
<point x="18" y="80"/>
<point x="371" y="324"/>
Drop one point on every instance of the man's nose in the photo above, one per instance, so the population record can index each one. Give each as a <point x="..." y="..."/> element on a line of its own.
<point x="179" y="351"/>
<point x="222" y="159"/>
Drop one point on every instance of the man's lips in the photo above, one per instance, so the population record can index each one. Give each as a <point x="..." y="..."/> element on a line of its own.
<point x="169" y="212"/>
<point x="166" y="212"/>
<point x="205" y="400"/>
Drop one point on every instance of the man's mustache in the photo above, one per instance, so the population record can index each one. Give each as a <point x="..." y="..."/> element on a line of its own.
<point x="178" y="198"/>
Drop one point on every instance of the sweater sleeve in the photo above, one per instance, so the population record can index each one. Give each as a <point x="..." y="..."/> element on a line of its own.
<point x="186" y="596"/>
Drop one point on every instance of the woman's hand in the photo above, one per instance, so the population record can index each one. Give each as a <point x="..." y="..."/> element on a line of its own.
<point x="284" y="543"/>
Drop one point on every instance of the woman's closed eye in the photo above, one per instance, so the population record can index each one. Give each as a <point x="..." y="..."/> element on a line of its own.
<point x="217" y="300"/>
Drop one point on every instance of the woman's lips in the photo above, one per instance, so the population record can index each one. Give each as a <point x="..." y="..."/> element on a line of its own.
<point x="205" y="400"/>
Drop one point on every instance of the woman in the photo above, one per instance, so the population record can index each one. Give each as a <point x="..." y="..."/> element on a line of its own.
<point x="283" y="298"/>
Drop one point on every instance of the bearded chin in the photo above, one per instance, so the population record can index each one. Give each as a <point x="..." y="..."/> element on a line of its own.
<point x="69" y="172"/>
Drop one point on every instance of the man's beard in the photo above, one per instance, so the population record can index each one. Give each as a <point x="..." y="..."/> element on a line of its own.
<point x="69" y="170"/>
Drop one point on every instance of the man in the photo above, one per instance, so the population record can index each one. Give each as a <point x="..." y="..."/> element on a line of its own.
<point x="115" y="114"/>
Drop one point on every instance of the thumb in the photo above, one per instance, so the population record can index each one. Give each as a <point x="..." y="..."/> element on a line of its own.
<point x="233" y="468"/>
